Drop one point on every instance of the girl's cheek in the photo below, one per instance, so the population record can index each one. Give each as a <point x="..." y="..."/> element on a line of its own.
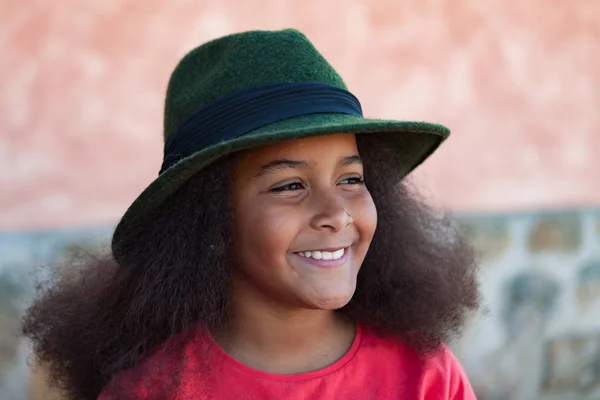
<point x="271" y="227"/>
<point x="365" y="209"/>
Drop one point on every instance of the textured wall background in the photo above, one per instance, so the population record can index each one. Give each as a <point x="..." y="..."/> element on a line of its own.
<point x="540" y="335"/>
<point x="81" y="92"/>
<point x="83" y="82"/>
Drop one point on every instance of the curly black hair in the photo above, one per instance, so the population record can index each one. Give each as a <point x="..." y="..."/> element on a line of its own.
<point x="102" y="316"/>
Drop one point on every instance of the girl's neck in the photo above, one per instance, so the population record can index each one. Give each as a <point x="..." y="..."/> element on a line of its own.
<point x="285" y="340"/>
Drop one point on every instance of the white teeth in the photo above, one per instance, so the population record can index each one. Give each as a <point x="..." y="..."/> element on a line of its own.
<point x="338" y="254"/>
<point x="323" y="255"/>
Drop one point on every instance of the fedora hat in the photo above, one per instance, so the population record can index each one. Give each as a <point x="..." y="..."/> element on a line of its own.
<point x="256" y="88"/>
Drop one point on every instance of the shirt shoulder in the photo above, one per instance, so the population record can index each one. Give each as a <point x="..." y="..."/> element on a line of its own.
<point x="438" y="375"/>
<point x="161" y="374"/>
<point x="443" y="374"/>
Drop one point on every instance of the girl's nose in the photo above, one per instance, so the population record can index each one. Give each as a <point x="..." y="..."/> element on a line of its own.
<point x="330" y="214"/>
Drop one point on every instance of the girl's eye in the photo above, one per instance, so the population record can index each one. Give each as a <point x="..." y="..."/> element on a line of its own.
<point x="290" y="187"/>
<point x="355" y="180"/>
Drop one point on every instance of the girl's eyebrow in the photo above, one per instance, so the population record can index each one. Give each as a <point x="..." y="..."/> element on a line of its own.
<point x="277" y="165"/>
<point x="354" y="159"/>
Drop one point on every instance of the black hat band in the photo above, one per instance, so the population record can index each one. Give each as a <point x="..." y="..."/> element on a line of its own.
<point x="246" y="110"/>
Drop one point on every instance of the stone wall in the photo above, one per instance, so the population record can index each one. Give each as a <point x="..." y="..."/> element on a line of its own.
<point x="538" y="336"/>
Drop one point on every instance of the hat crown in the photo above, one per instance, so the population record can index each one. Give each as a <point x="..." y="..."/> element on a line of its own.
<point x="240" y="61"/>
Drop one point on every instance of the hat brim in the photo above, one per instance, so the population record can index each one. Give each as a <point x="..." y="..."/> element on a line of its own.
<point x="415" y="142"/>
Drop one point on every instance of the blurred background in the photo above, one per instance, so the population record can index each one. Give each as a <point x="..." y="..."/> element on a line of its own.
<point x="81" y="94"/>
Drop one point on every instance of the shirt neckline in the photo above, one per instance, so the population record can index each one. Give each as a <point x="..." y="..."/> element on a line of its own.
<point x="304" y="376"/>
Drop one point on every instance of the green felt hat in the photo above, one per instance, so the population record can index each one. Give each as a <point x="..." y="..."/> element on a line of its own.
<point x="255" y="88"/>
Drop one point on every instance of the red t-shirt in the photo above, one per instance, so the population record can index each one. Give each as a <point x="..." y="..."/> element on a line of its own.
<point x="375" y="367"/>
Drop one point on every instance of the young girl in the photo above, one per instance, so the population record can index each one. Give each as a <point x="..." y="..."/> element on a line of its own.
<point x="278" y="255"/>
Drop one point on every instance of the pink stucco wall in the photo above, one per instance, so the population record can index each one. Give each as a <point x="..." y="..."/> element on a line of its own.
<point x="82" y="85"/>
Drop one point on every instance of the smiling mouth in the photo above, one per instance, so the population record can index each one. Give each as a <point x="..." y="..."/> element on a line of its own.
<point x="323" y="255"/>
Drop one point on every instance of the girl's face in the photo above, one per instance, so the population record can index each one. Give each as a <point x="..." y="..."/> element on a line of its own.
<point x="303" y="221"/>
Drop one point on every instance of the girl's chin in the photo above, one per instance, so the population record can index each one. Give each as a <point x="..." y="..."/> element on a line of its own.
<point x="329" y="303"/>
